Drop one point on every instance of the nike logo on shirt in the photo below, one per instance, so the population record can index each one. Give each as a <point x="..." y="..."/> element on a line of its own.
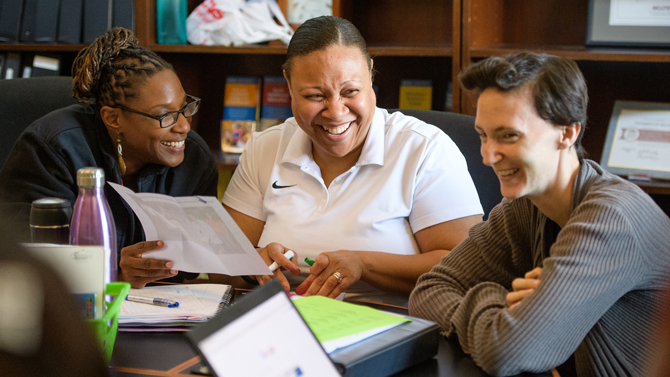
<point x="276" y="186"/>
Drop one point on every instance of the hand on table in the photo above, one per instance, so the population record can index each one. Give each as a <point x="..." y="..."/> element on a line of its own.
<point x="323" y="281"/>
<point x="139" y="271"/>
<point x="523" y="287"/>
<point x="275" y="252"/>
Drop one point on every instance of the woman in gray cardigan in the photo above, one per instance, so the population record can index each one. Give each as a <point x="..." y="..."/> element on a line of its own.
<point x="568" y="270"/>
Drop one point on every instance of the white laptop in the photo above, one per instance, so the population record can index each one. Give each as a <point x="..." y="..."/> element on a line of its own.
<point x="261" y="334"/>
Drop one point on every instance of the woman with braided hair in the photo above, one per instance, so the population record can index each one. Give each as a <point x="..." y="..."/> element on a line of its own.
<point x="133" y="121"/>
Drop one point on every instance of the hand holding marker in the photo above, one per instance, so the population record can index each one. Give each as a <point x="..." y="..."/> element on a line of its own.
<point x="289" y="254"/>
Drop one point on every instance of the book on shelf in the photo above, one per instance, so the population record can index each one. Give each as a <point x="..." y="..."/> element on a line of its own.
<point x="241" y="103"/>
<point x="97" y="19"/>
<point x="123" y="14"/>
<point x="12" y="67"/>
<point x="10" y="19"/>
<point x="70" y="17"/>
<point x="28" y="21"/>
<point x="276" y="104"/>
<point x="46" y="27"/>
<point x="39" y="21"/>
<point x="416" y="94"/>
<point x="45" y="65"/>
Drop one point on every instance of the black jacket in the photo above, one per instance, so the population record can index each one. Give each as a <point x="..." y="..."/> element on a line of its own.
<point x="45" y="159"/>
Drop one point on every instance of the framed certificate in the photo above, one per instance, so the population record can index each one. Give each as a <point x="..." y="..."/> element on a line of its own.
<point x="628" y="23"/>
<point x="638" y="140"/>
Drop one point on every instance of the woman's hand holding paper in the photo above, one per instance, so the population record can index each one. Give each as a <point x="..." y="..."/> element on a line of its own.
<point x="139" y="271"/>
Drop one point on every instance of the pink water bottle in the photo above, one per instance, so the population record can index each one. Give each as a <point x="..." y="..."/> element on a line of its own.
<point x="92" y="221"/>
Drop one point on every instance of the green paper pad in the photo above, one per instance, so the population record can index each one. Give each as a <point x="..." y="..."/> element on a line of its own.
<point x="331" y="319"/>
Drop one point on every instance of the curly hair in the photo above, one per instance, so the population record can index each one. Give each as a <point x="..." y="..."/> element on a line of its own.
<point x="110" y="69"/>
<point x="559" y="89"/>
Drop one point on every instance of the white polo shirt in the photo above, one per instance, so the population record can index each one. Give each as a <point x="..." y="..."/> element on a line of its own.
<point x="410" y="176"/>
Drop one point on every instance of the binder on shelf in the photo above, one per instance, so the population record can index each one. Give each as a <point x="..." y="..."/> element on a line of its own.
<point x="45" y="65"/>
<point x="240" y="111"/>
<point x="97" y="19"/>
<point x="3" y="57"/>
<point x="46" y="27"/>
<point x="12" y="67"/>
<point x="69" y="21"/>
<point x="416" y="94"/>
<point x="276" y="106"/>
<point x="10" y="18"/>
<point x="28" y="21"/>
<point x="123" y="14"/>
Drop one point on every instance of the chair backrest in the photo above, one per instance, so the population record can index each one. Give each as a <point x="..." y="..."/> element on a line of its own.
<point x="461" y="129"/>
<point x="22" y="101"/>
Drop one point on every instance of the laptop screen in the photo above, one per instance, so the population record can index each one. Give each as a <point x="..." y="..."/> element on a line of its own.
<point x="262" y="335"/>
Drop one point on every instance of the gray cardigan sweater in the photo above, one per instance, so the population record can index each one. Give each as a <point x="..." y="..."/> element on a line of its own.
<point x="600" y="283"/>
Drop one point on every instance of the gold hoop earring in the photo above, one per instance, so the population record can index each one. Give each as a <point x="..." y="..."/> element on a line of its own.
<point x="119" y="151"/>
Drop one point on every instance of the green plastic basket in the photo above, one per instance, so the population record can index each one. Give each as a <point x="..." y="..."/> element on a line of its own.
<point x="105" y="327"/>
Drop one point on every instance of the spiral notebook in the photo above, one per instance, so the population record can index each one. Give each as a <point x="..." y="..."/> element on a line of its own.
<point x="197" y="303"/>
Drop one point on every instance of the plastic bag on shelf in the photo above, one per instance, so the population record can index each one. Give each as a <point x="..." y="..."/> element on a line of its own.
<point x="236" y="22"/>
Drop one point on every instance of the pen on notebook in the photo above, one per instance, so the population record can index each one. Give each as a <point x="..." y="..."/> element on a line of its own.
<point x="289" y="254"/>
<point x="153" y="301"/>
<point x="200" y="199"/>
<point x="309" y="261"/>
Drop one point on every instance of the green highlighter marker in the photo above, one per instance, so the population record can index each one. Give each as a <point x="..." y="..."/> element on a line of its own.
<point x="309" y="261"/>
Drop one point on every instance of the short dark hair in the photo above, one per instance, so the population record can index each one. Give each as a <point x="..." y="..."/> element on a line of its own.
<point x="111" y="68"/>
<point x="318" y="34"/>
<point x="559" y="89"/>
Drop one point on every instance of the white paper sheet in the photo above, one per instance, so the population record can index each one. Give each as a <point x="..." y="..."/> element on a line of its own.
<point x="199" y="235"/>
<point x="642" y="140"/>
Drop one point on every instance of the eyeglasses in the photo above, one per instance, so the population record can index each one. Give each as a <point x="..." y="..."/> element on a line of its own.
<point x="169" y="119"/>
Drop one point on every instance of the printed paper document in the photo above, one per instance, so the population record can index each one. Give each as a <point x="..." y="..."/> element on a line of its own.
<point x="199" y="235"/>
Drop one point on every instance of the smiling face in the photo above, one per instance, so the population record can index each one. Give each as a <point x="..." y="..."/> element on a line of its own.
<point x="523" y="149"/>
<point x="143" y="140"/>
<point x="333" y="101"/>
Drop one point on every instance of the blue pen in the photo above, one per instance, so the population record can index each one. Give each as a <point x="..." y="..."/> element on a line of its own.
<point x="153" y="301"/>
<point x="200" y="199"/>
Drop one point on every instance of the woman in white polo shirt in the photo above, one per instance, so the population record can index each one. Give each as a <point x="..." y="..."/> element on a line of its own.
<point x="375" y="198"/>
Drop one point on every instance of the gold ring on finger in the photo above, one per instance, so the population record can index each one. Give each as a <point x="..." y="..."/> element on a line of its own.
<point x="337" y="276"/>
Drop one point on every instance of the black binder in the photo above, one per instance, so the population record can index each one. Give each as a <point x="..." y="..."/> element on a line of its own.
<point x="10" y="17"/>
<point x="47" y="21"/>
<point x="45" y="65"/>
<point x="97" y="19"/>
<point x="123" y="14"/>
<point x="389" y="352"/>
<point x="12" y="67"/>
<point x="2" y="64"/>
<point x="28" y="21"/>
<point x="69" y="21"/>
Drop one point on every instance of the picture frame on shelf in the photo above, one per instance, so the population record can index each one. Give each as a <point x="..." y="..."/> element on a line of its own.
<point x="638" y="140"/>
<point x="627" y="23"/>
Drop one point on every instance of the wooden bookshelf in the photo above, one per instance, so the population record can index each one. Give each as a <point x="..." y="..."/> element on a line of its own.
<point x="424" y="39"/>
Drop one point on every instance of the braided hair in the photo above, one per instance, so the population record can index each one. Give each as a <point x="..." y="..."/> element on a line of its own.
<point x="110" y="70"/>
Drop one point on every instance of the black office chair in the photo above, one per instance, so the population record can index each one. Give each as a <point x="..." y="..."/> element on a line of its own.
<point x="461" y="129"/>
<point x="22" y="101"/>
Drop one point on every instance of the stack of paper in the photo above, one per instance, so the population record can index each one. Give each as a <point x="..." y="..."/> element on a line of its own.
<point x="197" y="303"/>
<point x="338" y="324"/>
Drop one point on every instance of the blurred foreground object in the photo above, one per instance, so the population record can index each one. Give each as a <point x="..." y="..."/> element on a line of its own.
<point x="41" y="333"/>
